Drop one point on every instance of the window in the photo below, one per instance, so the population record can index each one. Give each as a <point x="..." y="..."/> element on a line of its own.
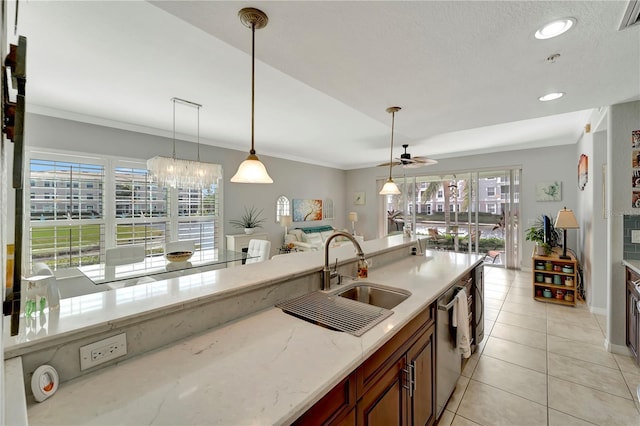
<point x="491" y="191"/>
<point x="52" y="238"/>
<point x="198" y="213"/>
<point x="439" y="208"/>
<point x="95" y="203"/>
<point x="440" y="193"/>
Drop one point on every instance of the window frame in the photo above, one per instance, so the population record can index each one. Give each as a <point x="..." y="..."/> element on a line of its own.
<point x="109" y="221"/>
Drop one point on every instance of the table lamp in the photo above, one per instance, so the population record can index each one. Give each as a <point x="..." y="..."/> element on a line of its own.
<point x="285" y="220"/>
<point x="565" y="220"/>
<point x="353" y="218"/>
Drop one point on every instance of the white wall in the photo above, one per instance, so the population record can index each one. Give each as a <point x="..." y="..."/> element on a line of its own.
<point x="593" y="227"/>
<point x="623" y="119"/>
<point x="292" y="179"/>
<point x="538" y="164"/>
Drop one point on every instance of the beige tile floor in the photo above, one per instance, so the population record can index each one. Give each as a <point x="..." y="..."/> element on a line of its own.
<point x="541" y="364"/>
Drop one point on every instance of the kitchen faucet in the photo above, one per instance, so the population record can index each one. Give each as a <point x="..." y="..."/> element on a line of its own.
<point x="327" y="273"/>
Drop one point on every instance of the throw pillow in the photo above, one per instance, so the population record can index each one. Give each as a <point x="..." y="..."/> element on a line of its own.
<point x="314" y="239"/>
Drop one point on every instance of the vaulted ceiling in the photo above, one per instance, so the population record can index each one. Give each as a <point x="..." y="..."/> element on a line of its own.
<point x="467" y="74"/>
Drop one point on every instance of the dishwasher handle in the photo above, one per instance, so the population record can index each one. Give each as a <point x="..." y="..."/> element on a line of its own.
<point x="449" y="305"/>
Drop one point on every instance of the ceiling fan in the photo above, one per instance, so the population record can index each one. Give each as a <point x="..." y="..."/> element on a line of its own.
<point x="407" y="161"/>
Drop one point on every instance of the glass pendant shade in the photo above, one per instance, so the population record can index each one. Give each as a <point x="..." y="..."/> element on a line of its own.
<point x="187" y="174"/>
<point x="176" y="173"/>
<point x="251" y="170"/>
<point x="390" y="188"/>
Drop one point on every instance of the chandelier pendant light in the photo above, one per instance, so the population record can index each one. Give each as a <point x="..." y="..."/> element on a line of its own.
<point x="252" y="170"/>
<point x="185" y="174"/>
<point x="390" y="187"/>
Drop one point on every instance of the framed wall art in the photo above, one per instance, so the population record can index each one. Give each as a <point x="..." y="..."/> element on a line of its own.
<point x="358" y="198"/>
<point x="307" y="210"/>
<point x="549" y="191"/>
<point x="583" y="171"/>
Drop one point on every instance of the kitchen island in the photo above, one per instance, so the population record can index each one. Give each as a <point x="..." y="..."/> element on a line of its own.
<point x="263" y="368"/>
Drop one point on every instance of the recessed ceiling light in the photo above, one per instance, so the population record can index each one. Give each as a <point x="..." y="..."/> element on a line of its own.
<point x="551" y="96"/>
<point x="555" y="28"/>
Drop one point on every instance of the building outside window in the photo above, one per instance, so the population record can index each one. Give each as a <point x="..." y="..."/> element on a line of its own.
<point x="84" y="219"/>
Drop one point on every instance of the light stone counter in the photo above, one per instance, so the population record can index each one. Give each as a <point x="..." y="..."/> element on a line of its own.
<point x="633" y="264"/>
<point x="265" y="368"/>
<point x="98" y="312"/>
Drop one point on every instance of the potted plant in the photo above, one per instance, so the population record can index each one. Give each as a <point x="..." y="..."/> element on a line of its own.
<point x="536" y="234"/>
<point x="250" y="220"/>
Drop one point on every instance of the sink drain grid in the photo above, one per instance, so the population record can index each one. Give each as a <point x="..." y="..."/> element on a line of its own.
<point x="335" y="312"/>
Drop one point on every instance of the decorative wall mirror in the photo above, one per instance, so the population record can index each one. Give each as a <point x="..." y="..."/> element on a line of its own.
<point x="328" y="208"/>
<point x="283" y="207"/>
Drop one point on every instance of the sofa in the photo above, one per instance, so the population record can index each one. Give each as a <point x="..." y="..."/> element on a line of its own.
<point x="313" y="238"/>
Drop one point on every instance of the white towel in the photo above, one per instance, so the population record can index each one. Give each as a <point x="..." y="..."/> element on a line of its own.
<point x="461" y="322"/>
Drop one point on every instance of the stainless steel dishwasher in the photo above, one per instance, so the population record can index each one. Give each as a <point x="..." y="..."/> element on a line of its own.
<point x="448" y="360"/>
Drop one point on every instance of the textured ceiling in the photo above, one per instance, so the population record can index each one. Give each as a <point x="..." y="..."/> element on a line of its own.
<point x="467" y="74"/>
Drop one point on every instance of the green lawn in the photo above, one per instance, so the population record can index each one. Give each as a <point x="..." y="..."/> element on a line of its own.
<point x="59" y="246"/>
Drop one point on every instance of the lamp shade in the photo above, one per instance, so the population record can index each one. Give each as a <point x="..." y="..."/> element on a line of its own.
<point x="285" y="220"/>
<point x="390" y="188"/>
<point x="251" y="170"/>
<point x="353" y="216"/>
<point x="566" y="220"/>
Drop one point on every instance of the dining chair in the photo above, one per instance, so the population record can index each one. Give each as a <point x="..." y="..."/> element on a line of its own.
<point x="258" y="251"/>
<point x="124" y="255"/>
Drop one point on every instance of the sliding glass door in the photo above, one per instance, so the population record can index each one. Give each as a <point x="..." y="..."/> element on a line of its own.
<point x="473" y="212"/>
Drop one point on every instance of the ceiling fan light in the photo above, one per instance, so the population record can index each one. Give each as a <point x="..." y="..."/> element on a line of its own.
<point x="251" y="170"/>
<point x="390" y="188"/>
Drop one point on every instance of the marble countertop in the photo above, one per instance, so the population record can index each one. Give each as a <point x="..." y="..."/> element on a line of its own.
<point x="267" y="368"/>
<point x="633" y="264"/>
<point x="96" y="312"/>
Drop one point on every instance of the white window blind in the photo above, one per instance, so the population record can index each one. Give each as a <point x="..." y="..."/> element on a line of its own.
<point x="80" y="205"/>
<point x="66" y="212"/>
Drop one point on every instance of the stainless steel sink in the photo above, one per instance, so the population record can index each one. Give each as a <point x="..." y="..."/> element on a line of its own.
<point x="354" y="309"/>
<point x="374" y="294"/>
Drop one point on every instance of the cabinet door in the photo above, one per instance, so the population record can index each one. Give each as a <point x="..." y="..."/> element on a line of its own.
<point x="385" y="402"/>
<point x="421" y="359"/>
<point x="335" y="408"/>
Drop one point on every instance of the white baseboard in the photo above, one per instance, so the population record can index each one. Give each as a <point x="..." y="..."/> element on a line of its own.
<point x="616" y="349"/>
<point x="598" y="311"/>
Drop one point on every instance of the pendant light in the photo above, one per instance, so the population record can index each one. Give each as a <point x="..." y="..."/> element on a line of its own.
<point x="252" y="170"/>
<point x="186" y="174"/>
<point x="390" y="187"/>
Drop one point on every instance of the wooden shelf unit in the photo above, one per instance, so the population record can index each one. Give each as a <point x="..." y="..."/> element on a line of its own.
<point x="554" y="274"/>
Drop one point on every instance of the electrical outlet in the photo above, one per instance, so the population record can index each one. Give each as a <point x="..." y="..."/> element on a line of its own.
<point x="635" y="236"/>
<point x="102" y="351"/>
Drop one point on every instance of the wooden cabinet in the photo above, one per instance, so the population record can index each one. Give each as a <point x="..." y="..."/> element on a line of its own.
<point x="394" y="386"/>
<point x="385" y="403"/>
<point x="404" y="393"/>
<point x="555" y="279"/>
<point x="633" y="313"/>
<point x="422" y="400"/>
<point x="337" y="407"/>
